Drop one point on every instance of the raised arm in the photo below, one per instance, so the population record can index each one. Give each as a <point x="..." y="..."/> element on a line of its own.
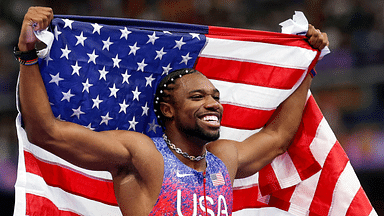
<point x="75" y="143"/>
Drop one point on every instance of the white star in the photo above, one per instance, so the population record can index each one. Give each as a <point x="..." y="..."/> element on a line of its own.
<point x="105" y="119"/>
<point x="125" y="33"/>
<point x="86" y="86"/>
<point x="123" y="107"/>
<point x="116" y="61"/>
<point x="65" y="51"/>
<point x="68" y="23"/>
<point x="149" y="81"/>
<point x="166" y="69"/>
<point x="103" y="74"/>
<point x="76" y="69"/>
<point x="179" y="43"/>
<point x="56" y="79"/>
<point x="96" y="102"/>
<point x="153" y="126"/>
<point x="77" y="112"/>
<point x="107" y="43"/>
<point x="133" y="48"/>
<point x="126" y="77"/>
<point x="195" y="35"/>
<point x="141" y="65"/>
<point x="186" y="58"/>
<point x="96" y="28"/>
<point x="136" y="94"/>
<point x="160" y="53"/>
<point x="57" y="33"/>
<point x="90" y="127"/>
<point x="47" y="59"/>
<point x="67" y="95"/>
<point x="167" y="32"/>
<point x="113" y="90"/>
<point x="152" y="38"/>
<point x="80" y="39"/>
<point x="132" y="124"/>
<point x="145" y="109"/>
<point x="92" y="57"/>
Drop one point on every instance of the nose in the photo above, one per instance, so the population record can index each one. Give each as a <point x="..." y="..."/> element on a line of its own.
<point x="213" y="104"/>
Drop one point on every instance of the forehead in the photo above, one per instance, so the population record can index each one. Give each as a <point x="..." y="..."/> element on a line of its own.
<point x="195" y="82"/>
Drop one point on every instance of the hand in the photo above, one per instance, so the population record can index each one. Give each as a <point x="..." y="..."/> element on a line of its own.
<point x="316" y="38"/>
<point x="37" y="18"/>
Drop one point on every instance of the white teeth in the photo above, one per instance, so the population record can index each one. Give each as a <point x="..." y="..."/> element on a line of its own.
<point x="210" y="118"/>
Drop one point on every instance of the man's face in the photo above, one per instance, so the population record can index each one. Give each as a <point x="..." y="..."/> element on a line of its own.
<point x="198" y="111"/>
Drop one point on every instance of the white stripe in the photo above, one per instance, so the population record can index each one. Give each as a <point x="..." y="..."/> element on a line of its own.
<point x="285" y="170"/>
<point x="236" y="134"/>
<point x="246" y="182"/>
<point x="373" y="213"/>
<point x="67" y="201"/>
<point x="346" y="188"/>
<point x="21" y="181"/>
<point x="257" y="52"/>
<point x="250" y="96"/>
<point x="53" y="159"/>
<point x="302" y="197"/>
<point x="267" y="211"/>
<point x="323" y="142"/>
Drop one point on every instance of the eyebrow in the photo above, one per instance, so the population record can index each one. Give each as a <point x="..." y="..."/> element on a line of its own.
<point x="202" y="91"/>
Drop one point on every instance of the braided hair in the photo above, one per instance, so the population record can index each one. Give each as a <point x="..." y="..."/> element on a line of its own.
<point x="163" y="89"/>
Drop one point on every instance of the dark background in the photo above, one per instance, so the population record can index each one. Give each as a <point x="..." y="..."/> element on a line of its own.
<point x="349" y="87"/>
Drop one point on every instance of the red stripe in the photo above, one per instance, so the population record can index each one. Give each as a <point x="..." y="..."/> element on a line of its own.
<point x="258" y="36"/>
<point x="71" y="181"/>
<point x="299" y="150"/>
<point x="246" y="198"/>
<point x="268" y="182"/>
<point x="244" y="118"/>
<point x="281" y="199"/>
<point x="333" y="167"/>
<point x="41" y="206"/>
<point x="242" y="72"/>
<point x="360" y="204"/>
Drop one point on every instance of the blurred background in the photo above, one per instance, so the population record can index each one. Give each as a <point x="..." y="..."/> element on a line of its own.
<point x="349" y="87"/>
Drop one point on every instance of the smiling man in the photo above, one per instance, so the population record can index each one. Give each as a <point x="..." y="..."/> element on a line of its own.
<point x="188" y="171"/>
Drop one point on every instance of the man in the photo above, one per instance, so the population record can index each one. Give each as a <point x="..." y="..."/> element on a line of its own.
<point x="188" y="171"/>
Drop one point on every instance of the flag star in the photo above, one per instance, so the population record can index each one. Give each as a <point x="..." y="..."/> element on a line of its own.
<point x="166" y="69"/>
<point x="126" y="77"/>
<point x="167" y="32"/>
<point x="152" y="38"/>
<point x="132" y="124"/>
<point x="76" y="69"/>
<point x="105" y="119"/>
<point x="96" y="28"/>
<point x="116" y="61"/>
<point x="59" y="118"/>
<point x="80" y="39"/>
<point x="68" y="23"/>
<point x="160" y="53"/>
<point x="145" y="109"/>
<point x="67" y="95"/>
<point x="125" y="33"/>
<point x="153" y="126"/>
<point x="86" y="86"/>
<point x="107" y="43"/>
<point x="92" y="57"/>
<point x="113" y="90"/>
<point x="149" y="81"/>
<point x="133" y="48"/>
<point x="123" y="107"/>
<point x="186" y="58"/>
<point x="65" y="51"/>
<point x="136" y="94"/>
<point x="141" y="65"/>
<point x="179" y="43"/>
<point x="57" y="33"/>
<point x="195" y="35"/>
<point x="56" y="79"/>
<point x="96" y="102"/>
<point x="90" y="127"/>
<point x="103" y="74"/>
<point x="47" y="59"/>
<point x="77" y="112"/>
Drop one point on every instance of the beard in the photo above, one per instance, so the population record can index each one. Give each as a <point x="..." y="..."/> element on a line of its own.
<point x="202" y="134"/>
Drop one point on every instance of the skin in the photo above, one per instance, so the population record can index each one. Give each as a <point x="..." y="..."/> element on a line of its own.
<point x="135" y="164"/>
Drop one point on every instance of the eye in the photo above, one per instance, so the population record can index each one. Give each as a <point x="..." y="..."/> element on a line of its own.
<point x="216" y="98"/>
<point x="197" y="97"/>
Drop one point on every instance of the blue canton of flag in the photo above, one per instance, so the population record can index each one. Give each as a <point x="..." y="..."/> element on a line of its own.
<point x="104" y="77"/>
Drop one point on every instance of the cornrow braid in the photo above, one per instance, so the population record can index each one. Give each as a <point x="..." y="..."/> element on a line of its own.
<point x="166" y="85"/>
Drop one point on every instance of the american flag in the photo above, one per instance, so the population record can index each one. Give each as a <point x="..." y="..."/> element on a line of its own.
<point x="102" y="73"/>
<point x="217" y="179"/>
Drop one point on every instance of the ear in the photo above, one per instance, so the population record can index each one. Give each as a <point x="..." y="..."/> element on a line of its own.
<point x="167" y="110"/>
